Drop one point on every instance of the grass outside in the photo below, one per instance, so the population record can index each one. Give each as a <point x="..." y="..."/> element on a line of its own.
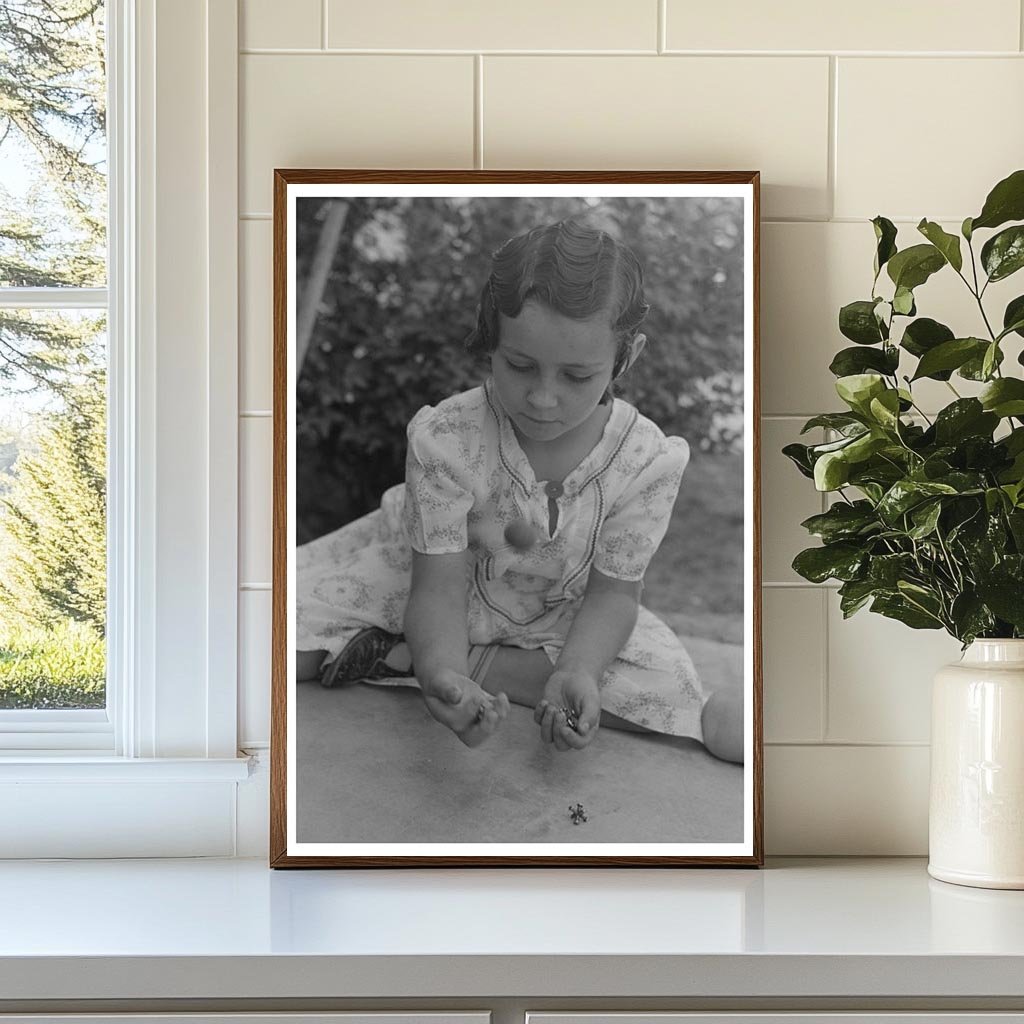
<point x="695" y="581"/>
<point x="63" y="667"/>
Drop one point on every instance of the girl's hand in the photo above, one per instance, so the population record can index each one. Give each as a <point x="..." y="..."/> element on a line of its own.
<point x="459" y="703"/>
<point x="577" y="691"/>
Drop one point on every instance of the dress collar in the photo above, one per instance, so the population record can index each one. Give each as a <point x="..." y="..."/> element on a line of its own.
<point x="617" y="427"/>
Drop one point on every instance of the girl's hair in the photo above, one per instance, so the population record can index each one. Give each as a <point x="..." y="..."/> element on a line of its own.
<point x="576" y="271"/>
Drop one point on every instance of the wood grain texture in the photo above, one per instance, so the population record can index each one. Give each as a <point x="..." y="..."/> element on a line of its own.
<point x="279" y="856"/>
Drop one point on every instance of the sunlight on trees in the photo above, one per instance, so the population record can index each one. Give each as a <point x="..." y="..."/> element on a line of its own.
<point x="53" y="214"/>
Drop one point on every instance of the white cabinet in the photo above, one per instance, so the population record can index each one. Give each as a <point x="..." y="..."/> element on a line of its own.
<point x="776" y="1018"/>
<point x="364" y="1017"/>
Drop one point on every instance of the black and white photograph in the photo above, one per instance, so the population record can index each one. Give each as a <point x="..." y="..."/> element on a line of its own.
<point x="516" y="566"/>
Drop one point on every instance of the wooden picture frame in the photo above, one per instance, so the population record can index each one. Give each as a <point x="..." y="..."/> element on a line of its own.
<point x="377" y="276"/>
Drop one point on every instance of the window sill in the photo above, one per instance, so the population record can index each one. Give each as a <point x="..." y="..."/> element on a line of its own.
<point x="79" y="806"/>
<point x="74" y="766"/>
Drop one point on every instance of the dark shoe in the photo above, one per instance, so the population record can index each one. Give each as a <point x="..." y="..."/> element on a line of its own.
<point x="363" y="659"/>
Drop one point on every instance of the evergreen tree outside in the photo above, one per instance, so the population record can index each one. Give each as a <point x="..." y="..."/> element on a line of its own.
<point x="52" y="364"/>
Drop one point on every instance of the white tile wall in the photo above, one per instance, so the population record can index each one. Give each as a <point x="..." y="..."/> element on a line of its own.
<point x="256" y="351"/>
<point x="969" y="110"/>
<point x="261" y="26"/>
<point x="471" y="25"/>
<point x="331" y="110"/>
<point x="874" y="25"/>
<point x="838" y="138"/>
<point x="699" y="113"/>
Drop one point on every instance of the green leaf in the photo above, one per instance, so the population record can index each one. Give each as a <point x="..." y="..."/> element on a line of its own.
<point x="799" y="454"/>
<point x="1005" y="202"/>
<point x="849" y="361"/>
<point x="1005" y="596"/>
<point x="858" y="389"/>
<point x="1013" y="318"/>
<point x="990" y="360"/>
<point x="906" y="494"/>
<point x="1004" y="397"/>
<point x="854" y="594"/>
<point x="922" y="336"/>
<point x="947" y="244"/>
<point x="843" y="521"/>
<point x="950" y="355"/>
<point x="857" y="321"/>
<point x="903" y="302"/>
<point x="912" y="267"/>
<point x="970" y="617"/>
<point x="885" y="235"/>
<point x="833" y="561"/>
<point x="1003" y="254"/>
<point x="925" y="518"/>
<point x="966" y="417"/>
<point x="833" y="420"/>
<point x="965" y="229"/>
<point x="974" y="368"/>
<point x="864" y="447"/>
<point x="831" y="471"/>
<point x="887" y="570"/>
<point x="899" y="608"/>
<point x="885" y="409"/>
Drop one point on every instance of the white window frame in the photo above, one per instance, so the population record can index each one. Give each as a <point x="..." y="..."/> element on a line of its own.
<point x="157" y="773"/>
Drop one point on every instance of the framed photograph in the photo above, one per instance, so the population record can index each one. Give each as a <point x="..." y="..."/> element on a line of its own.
<point x="516" y="563"/>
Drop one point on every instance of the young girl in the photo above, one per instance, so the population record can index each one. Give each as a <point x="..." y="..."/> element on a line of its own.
<point x="510" y="564"/>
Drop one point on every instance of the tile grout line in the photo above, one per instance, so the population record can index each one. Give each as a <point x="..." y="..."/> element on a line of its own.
<point x="663" y="26"/>
<point x="768" y="55"/>
<point x="323" y="24"/>
<point x="478" y="111"/>
<point x="826" y="690"/>
<point x="1020" y="24"/>
<point x="833" y="134"/>
<point x="824" y="715"/>
<point x="851" y="744"/>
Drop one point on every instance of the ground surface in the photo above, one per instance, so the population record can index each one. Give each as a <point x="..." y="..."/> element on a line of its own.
<point x="374" y="767"/>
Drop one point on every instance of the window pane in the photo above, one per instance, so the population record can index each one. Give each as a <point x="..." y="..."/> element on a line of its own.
<point x="52" y="509"/>
<point x="53" y="150"/>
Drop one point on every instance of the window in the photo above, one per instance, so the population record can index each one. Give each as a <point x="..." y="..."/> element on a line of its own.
<point x="156" y="771"/>
<point x="53" y="371"/>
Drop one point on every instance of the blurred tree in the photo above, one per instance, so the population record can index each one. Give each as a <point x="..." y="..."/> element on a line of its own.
<point x="52" y="125"/>
<point x="53" y="235"/>
<point x="53" y="526"/>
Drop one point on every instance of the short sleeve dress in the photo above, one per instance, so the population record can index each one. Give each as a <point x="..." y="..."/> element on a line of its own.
<point x="466" y="479"/>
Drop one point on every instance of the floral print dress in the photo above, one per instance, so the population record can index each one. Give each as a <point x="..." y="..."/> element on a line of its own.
<point x="466" y="479"/>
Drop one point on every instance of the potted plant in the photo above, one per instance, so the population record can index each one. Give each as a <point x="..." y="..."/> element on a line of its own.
<point x="927" y="521"/>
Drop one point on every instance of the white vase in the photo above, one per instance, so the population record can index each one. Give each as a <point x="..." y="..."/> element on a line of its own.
<point x="976" y="812"/>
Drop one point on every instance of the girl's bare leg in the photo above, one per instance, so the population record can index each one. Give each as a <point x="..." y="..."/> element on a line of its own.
<point x="722" y="724"/>
<point x="521" y="675"/>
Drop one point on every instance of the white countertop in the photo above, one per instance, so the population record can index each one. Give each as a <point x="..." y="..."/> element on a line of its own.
<point x="234" y="929"/>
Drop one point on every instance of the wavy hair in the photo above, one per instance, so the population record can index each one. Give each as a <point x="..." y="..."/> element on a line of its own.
<point x="576" y="271"/>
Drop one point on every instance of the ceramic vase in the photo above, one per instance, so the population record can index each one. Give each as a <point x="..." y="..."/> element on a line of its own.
<point x="976" y="810"/>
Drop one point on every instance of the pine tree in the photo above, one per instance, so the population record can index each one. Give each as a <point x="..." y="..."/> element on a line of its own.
<point x="52" y="115"/>
<point x="53" y="123"/>
<point x="53" y="519"/>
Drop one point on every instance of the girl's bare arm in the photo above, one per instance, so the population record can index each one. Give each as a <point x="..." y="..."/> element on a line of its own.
<point x="437" y="632"/>
<point x="436" y="618"/>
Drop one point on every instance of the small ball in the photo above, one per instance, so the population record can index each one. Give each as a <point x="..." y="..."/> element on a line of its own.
<point x="521" y="535"/>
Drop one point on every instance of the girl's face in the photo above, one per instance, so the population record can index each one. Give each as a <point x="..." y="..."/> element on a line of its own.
<point x="551" y="371"/>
